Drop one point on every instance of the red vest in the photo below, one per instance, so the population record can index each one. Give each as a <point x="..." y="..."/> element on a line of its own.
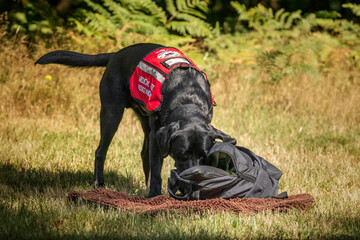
<point x="152" y="71"/>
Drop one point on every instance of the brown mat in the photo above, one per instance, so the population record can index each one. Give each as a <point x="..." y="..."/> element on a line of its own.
<point x="164" y="203"/>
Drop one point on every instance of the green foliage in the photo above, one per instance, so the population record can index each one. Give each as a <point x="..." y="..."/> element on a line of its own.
<point x="133" y="16"/>
<point x="188" y="18"/>
<point x="261" y="18"/>
<point x="113" y="20"/>
<point x="144" y="17"/>
<point x="345" y="31"/>
<point x="355" y="8"/>
<point x="36" y="19"/>
<point x="265" y="39"/>
<point x="264" y="21"/>
<point x="327" y="14"/>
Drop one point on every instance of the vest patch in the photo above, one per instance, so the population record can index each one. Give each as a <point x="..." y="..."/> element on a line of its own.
<point x="151" y="72"/>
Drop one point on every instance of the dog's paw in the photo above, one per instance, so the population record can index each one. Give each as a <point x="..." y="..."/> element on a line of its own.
<point x="98" y="184"/>
<point x="153" y="194"/>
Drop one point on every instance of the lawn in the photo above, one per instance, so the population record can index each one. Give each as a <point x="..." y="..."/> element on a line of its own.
<point x="306" y="124"/>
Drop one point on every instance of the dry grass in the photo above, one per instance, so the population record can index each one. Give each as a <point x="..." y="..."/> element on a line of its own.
<point x="307" y="126"/>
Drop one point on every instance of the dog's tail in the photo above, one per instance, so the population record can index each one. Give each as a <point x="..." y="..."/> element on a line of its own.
<point x="75" y="59"/>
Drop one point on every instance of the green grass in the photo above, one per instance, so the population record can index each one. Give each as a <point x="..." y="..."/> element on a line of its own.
<point x="42" y="163"/>
<point x="308" y="125"/>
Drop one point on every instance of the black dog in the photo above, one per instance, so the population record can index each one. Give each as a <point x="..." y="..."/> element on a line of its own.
<point x="181" y="128"/>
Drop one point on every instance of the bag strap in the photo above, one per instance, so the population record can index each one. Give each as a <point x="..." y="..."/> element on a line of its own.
<point x="173" y="187"/>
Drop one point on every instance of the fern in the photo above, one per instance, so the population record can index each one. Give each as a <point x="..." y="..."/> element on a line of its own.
<point x="187" y="17"/>
<point x="170" y="7"/>
<point x="190" y="28"/>
<point x="148" y="8"/>
<point x="201" y="4"/>
<point x="261" y="18"/>
<point x="194" y="13"/>
<point x="118" y="14"/>
<point x="99" y="22"/>
<point x="279" y="13"/>
<point x="110" y="16"/>
<point x="355" y="8"/>
<point x="291" y="20"/>
<point x="98" y="8"/>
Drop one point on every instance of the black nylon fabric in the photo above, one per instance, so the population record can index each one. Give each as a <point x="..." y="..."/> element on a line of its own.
<point x="247" y="175"/>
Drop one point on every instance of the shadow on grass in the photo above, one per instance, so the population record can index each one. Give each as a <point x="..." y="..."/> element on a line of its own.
<point x="21" y="179"/>
<point x="24" y="223"/>
<point x="20" y="221"/>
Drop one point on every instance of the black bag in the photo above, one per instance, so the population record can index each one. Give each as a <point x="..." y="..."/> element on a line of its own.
<point x="230" y="171"/>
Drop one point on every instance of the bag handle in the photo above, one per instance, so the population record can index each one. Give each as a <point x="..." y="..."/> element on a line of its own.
<point x="173" y="187"/>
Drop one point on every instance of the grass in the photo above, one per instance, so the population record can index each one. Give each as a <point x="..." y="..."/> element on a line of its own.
<point x="308" y="125"/>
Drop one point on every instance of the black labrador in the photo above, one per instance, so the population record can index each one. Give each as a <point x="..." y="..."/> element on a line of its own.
<point x="180" y="129"/>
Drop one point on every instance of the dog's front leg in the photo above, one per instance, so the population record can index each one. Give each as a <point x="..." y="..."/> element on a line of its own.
<point x="156" y="161"/>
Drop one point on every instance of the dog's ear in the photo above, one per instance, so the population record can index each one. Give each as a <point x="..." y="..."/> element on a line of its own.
<point x="163" y="137"/>
<point x="216" y="133"/>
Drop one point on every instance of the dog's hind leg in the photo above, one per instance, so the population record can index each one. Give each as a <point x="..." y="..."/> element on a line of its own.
<point x="113" y="102"/>
<point x="109" y="122"/>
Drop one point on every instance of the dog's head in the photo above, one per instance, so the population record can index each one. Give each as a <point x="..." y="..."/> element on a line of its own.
<point x="189" y="143"/>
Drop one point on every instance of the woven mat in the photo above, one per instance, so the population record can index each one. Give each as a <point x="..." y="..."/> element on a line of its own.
<point x="164" y="203"/>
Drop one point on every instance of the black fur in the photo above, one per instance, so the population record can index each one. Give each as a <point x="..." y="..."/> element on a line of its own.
<point x="180" y="129"/>
<point x="75" y="59"/>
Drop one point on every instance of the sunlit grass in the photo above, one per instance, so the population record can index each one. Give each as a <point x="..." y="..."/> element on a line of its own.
<point x="308" y="126"/>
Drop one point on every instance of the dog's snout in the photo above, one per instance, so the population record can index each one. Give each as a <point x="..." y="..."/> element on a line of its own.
<point x="197" y="162"/>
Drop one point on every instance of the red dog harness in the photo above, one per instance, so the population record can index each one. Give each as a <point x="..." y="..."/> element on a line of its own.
<point x="152" y="71"/>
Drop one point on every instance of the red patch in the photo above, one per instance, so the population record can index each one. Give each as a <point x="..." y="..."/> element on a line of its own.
<point x="152" y="71"/>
